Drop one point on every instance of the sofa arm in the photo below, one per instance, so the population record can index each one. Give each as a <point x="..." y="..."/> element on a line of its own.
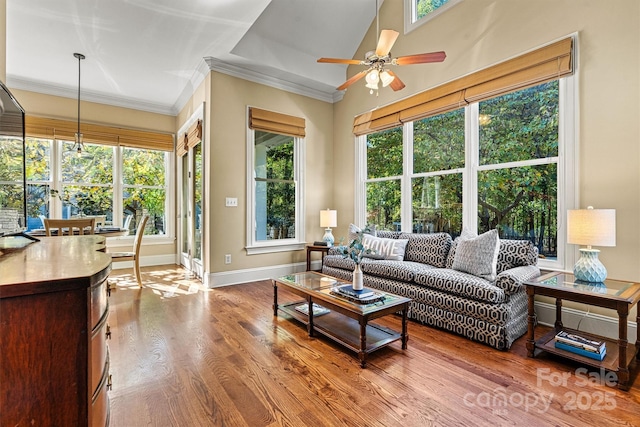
<point x="336" y="250"/>
<point x="512" y="280"/>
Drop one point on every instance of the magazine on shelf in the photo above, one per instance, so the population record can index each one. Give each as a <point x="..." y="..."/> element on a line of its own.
<point x="581" y="351"/>
<point x="594" y="346"/>
<point x="318" y="310"/>
<point x="362" y="293"/>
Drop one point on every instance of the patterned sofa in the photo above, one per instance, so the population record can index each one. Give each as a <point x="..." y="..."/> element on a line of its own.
<point x="493" y="312"/>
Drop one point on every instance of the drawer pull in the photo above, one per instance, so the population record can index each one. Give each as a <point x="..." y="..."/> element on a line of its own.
<point x="109" y="383"/>
<point x="108" y="334"/>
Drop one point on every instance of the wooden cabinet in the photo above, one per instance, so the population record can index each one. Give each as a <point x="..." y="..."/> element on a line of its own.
<point x="54" y="358"/>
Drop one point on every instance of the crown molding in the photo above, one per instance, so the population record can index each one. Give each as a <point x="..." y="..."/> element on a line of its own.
<point x="100" y="98"/>
<point x="205" y="66"/>
<point x="220" y="66"/>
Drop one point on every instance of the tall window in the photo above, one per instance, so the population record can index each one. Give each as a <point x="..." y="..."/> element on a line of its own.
<point x="275" y="153"/>
<point x="144" y="186"/>
<point x="518" y="166"/>
<point x="430" y="175"/>
<point x="87" y="181"/>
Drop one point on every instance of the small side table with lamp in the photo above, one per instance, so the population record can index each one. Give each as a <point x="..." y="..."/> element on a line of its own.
<point x="588" y="285"/>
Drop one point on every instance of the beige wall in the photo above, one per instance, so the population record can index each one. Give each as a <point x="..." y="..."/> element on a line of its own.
<point x="227" y="161"/>
<point x="479" y="33"/>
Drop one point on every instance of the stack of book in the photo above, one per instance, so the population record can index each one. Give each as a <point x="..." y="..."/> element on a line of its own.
<point x="574" y="343"/>
<point x="318" y="310"/>
<point x="361" y="296"/>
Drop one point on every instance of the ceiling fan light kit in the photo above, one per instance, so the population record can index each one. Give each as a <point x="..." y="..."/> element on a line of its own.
<point x="378" y="59"/>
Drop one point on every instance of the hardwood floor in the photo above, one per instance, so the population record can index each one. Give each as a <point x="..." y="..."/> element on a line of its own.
<point x="183" y="355"/>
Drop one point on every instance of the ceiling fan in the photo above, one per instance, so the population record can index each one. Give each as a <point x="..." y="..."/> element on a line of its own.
<point x="378" y="59"/>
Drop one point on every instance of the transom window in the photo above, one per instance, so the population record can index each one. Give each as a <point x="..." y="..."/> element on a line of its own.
<point x="417" y="12"/>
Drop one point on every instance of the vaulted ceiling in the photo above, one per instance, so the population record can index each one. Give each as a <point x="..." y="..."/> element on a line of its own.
<point x="150" y="54"/>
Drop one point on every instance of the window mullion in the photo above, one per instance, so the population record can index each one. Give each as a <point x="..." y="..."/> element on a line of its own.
<point x="118" y="180"/>
<point x="406" y="211"/>
<point x="470" y="175"/>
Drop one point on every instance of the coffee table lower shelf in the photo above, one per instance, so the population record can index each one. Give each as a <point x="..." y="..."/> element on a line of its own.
<point x="610" y="361"/>
<point x="344" y="330"/>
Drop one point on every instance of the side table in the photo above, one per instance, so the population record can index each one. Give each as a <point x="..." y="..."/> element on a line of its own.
<point x="316" y="248"/>
<point x="614" y="294"/>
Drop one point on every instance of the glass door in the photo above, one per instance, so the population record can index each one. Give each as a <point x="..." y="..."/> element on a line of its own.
<point x="191" y="219"/>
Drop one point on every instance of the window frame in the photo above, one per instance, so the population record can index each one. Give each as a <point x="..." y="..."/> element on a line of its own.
<point x="411" y="21"/>
<point x="567" y="169"/>
<point x="254" y="246"/>
<point x="55" y="182"/>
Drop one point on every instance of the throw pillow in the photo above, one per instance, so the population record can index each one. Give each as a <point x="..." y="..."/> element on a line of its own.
<point x="477" y="255"/>
<point x="354" y="230"/>
<point x="391" y="249"/>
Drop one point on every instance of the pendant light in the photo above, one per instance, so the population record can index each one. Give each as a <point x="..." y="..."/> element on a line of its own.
<point x="78" y="146"/>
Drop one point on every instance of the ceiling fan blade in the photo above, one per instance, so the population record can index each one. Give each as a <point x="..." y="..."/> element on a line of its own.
<point x="339" y="61"/>
<point x="421" y="58"/>
<point x="387" y="39"/>
<point x="396" y="84"/>
<point x="352" y="80"/>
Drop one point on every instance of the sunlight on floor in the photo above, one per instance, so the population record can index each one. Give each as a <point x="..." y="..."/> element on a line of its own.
<point x="169" y="283"/>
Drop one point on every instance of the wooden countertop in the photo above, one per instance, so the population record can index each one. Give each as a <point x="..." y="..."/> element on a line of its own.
<point x="60" y="262"/>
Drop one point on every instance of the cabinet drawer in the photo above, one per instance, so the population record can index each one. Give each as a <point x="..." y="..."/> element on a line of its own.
<point x="99" y="302"/>
<point x="99" y="357"/>
<point x="100" y="406"/>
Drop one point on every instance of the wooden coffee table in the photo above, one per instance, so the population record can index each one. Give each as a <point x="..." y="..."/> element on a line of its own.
<point x="347" y="323"/>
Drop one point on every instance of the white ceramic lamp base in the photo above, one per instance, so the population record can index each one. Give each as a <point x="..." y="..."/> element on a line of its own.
<point x="328" y="237"/>
<point x="589" y="268"/>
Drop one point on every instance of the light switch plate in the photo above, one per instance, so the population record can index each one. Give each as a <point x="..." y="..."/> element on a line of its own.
<point x="231" y="201"/>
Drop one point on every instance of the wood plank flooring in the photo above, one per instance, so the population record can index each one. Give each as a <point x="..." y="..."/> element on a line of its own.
<point x="183" y="355"/>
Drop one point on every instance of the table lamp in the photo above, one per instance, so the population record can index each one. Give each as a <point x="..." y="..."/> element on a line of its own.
<point x="328" y="219"/>
<point x="591" y="227"/>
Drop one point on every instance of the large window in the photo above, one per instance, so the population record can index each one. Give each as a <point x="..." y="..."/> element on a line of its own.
<point x="275" y="153"/>
<point x="492" y="164"/>
<point x="119" y="183"/>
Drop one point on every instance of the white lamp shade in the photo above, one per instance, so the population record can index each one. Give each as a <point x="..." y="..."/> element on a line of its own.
<point x="590" y="226"/>
<point x="328" y="218"/>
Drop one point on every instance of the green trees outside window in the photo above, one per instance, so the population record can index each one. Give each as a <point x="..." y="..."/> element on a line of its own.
<point x="514" y="138"/>
<point x="275" y="186"/>
<point x="87" y="184"/>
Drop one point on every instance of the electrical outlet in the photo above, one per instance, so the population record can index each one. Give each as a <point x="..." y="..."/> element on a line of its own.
<point x="231" y="201"/>
<point x="227" y="259"/>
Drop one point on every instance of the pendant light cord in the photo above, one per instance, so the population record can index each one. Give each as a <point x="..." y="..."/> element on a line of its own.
<point x="80" y="58"/>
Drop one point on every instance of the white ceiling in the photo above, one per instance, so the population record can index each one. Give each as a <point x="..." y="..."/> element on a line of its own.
<point x="149" y="54"/>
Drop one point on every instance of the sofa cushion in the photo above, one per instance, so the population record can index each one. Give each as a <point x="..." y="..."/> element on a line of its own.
<point x="478" y="255"/>
<point x="398" y="270"/>
<point x="429" y="249"/>
<point x="459" y="283"/>
<point x="391" y="249"/>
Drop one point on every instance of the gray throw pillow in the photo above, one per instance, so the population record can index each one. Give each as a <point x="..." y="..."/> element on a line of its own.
<point x="477" y="255"/>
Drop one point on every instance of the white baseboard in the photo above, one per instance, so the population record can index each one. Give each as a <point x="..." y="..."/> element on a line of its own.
<point x="146" y="261"/>
<point x="589" y="322"/>
<point x="215" y="280"/>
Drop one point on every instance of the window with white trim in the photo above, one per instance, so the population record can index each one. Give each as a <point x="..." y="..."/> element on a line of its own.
<point x="114" y="182"/>
<point x="274" y="212"/>
<point x="417" y="12"/>
<point x="499" y="163"/>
